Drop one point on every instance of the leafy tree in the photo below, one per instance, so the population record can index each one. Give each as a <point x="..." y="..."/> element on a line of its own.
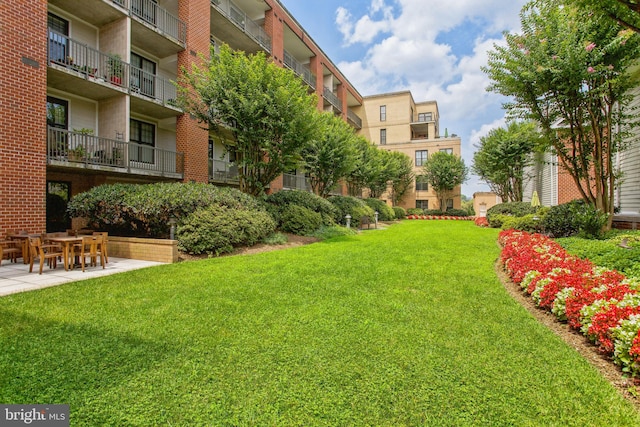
<point x="267" y="108"/>
<point x="331" y="155"/>
<point x="403" y="176"/>
<point x="367" y="166"/>
<point x="566" y="71"/>
<point x="381" y="173"/>
<point x="503" y="156"/>
<point x="444" y="172"/>
<point x="624" y="12"/>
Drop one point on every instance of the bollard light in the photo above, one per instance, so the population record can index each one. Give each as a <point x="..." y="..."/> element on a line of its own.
<point x="348" y="218"/>
<point x="376" y="215"/>
<point x="172" y="228"/>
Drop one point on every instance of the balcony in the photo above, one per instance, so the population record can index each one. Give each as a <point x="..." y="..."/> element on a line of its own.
<point x="155" y="29"/>
<point x="295" y="182"/>
<point x="229" y="19"/>
<point x="332" y="98"/>
<point x="78" y="150"/>
<point x="223" y="172"/>
<point x="354" y="119"/>
<point x="300" y="69"/>
<point x="95" y="12"/>
<point x="101" y="75"/>
<point x="152" y="95"/>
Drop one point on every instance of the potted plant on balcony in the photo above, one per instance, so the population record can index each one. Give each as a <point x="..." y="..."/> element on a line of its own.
<point x="115" y="68"/>
<point x="77" y="153"/>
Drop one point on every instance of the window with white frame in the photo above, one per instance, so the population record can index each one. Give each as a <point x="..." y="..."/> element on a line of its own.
<point x="421" y="157"/>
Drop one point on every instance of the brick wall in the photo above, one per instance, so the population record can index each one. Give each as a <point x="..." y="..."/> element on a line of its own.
<point x="23" y="91"/>
<point x="191" y="139"/>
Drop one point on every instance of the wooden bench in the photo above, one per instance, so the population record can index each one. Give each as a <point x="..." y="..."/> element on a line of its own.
<point x="364" y="220"/>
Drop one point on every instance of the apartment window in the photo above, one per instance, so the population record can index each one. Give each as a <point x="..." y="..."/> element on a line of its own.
<point x="383" y="113"/>
<point x="144" y="134"/>
<point x="425" y="117"/>
<point x="422" y="204"/>
<point x="421" y="157"/>
<point x="449" y="204"/>
<point x="57" y="112"/>
<point x="421" y="183"/>
<point x="58" y="42"/>
<point x="143" y="73"/>
<point x="383" y="136"/>
<point x="447" y="150"/>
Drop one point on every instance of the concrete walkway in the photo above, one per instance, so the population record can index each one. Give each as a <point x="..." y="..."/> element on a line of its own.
<point x="15" y="277"/>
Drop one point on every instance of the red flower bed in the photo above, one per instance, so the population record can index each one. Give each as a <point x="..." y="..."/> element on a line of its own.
<point x="482" y="221"/>
<point x="524" y="252"/>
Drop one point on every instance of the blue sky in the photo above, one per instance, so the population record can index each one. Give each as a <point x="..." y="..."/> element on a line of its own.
<point x="433" y="48"/>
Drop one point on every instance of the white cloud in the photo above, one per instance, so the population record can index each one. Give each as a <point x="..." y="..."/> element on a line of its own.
<point x="415" y="45"/>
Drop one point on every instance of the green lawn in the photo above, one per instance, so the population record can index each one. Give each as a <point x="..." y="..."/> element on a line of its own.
<point x="403" y="326"/>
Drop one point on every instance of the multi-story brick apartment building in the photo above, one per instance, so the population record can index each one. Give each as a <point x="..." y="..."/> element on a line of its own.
<point x="395" y="122"/>
<point x="87" y="93"/>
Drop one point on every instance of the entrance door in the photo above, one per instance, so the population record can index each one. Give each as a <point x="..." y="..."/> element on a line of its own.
<point x="58" y="195"/>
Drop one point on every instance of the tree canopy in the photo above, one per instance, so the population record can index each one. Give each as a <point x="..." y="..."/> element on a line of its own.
<point x="566" y="71"/>
<point x="331" y="155"/>
<point x="267" y="108"/>
<point x="444" y="172"/>
<point x="502" y="157"/>
<point x="624" y="12"/>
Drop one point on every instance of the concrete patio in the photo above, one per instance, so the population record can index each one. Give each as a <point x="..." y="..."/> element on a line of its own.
<point x="15" y="277"/>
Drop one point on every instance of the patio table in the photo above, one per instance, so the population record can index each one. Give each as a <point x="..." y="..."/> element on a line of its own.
<point x="67" y="242"/>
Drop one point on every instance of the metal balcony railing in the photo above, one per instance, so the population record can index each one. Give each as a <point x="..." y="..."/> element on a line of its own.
<point x="89" y="62"/>
<point x="76" y="148"/>
<point x="152" y="86"/>
<point x="295" y="182"/>
<point x="238" y="17"/>
<point x="300" y="69"/>
<point x="354" y="118"/>
<point x="220" y="170"/>
<point x="163" y="21"/>
<point x="332" y="98"/>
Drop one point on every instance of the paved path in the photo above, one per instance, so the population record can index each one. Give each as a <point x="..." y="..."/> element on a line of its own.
<point x="15" y="277"/>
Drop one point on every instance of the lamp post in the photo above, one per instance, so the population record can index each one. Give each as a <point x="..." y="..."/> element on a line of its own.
<point x="348" y="218"/>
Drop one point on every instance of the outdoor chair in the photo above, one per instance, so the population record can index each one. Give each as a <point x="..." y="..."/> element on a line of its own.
<point x="104" y="245"/>
<point x="49" y="253"/>
<point x="92" y="247"/>
<point x="10" y="249"/>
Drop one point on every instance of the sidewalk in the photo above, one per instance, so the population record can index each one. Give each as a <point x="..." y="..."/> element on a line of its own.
<point x="15" y="277"/>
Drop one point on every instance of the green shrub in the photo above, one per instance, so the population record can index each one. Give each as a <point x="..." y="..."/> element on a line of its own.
<point x="575" y="217"/>
<point x="511" y="208"/>
<point x="449" y="212"/>
<point x="399" y="212"/>
<point x="348" y="205"/>
<point x="217" y="229"/>
<point x="278" y="203"/>
<point x="300" y="220"/>
<point x="324" y="232"/>
<point x="145" y="209"/>
<point x="531" y="222"/>
<point x="415" y="211"/>
<point x="385" y="212"/>
<point x="605" y="253"/>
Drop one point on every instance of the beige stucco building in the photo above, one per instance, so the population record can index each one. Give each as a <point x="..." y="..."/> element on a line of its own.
<point x="395" y="122"/>
<point x="484" y="200"/>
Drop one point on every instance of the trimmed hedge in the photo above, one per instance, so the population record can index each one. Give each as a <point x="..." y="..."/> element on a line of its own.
<point x="385" y="212"/>
<point x="415" y="211"/>
<point x="355" y="207"/>
<point x="399" y="212"/>
<point x="278" y="203"/>
<point x="511" y="209"/>
<point x="218" y="229"/>
<point x="300" y="220"/>
<point x="145" y="210"/>
<point x="575" y="217"/>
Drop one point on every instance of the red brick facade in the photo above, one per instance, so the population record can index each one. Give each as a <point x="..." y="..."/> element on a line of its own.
<point x="23" y="88"/>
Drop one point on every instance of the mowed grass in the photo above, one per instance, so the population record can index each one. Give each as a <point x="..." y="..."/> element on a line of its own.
<point x="403" y="326"/>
